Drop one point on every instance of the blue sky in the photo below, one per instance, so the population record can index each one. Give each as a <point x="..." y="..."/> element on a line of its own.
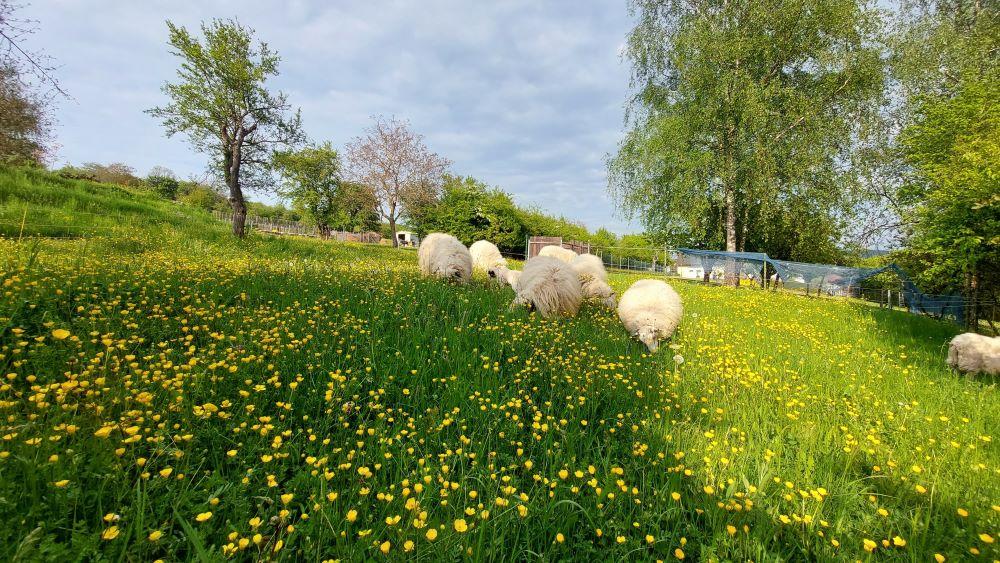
<point x="525" y="95"/>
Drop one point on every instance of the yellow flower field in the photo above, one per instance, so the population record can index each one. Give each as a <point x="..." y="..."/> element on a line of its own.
<point x="172" y="394"/>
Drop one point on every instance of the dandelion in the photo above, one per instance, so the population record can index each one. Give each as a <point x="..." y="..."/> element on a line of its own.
<point x="203" y="516"/>
<point x="679" y="553"/>
<point x="60" y="334"/>
<point x="461" y="526"/>
<point x="385" y="547"/>
<point x="155" y="535"/>
<point x="431" y="534"/>
<point x="352" y="515"/>
<point x="61" y="483"/>
<point x="110" y="533"/>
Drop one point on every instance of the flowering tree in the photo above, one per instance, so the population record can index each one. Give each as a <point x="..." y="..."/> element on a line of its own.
<point x="394" y="162"/>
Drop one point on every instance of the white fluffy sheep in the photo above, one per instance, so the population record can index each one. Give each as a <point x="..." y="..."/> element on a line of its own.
<point x="564" y="254"/>
<point x="550" y="286"/>
<point x="486" y="257"/>
<point x="589" y="265"/>
<point x="650" y="311"/>
<point x="974" y="353"/>
<point x="594" y="279"/>
<point x="444" y="256"/>
<point x="512" y="277"/>
<point x="506" y="275"/>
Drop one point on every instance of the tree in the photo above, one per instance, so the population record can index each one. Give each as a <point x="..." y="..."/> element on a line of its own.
<point x="18" y="59"/>
<point x="947" y="67"/>
<point x="741" y="107"/>
<point x="402" y="172"/>
<point x="221" y="103"/>
<point x="311" y="180"/>
<point x="471" y="210"/>
<point x="24" y="125"/>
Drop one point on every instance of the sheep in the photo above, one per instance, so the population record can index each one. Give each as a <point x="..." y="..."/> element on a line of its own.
<point x="594" y="279"/>
<point x="486" y="257"/>
<point x="974" y="353"/>
<point x="588" y="264"/>
<point x="512" y="277"/>
<point x="564" y="254"/>
<point x="444" y="256"/>
<point x="550" y="286"/>
<point x="506" y="275"/>
<point x="650" y="311"/>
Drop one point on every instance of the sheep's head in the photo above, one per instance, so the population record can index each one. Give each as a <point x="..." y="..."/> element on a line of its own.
<point x="647" y="335"/>
<point x="610" y="301"/>
<point x="498" y="273"/>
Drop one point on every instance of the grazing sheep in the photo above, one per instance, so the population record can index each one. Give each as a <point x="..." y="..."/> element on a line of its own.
<point x="974" y="353"/>
<point x="506" y="275"/>
<point x="550" y="286"/>
<point x="486" y="257"/>
<point x="444" y="256"/>
<point x="564" y="254"/>
<point x="588" y="264"/>
<point x="651" y="311"/>
<point x="594" y="279"/>
<point x="600" y="290"/>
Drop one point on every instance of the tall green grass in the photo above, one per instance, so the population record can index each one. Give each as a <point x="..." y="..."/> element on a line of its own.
<point x="776" y="427"/>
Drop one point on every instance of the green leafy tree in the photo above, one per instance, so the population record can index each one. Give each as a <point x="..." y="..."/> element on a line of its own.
<point x="221" y="103"/>
<point x="946" y="66"/>
<point x="471" y="210"/>
<point x="741" y="107"/>
<point x="310" y="179"/>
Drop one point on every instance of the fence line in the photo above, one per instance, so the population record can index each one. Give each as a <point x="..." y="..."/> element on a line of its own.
<point x="296" y="228"/>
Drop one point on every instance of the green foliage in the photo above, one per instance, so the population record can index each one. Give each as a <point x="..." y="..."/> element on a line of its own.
<point x="745" y="112"/>
<point x="200" y="196"/>
<point x="947" y="63"/>
<point x="953" y="148"/>
<point x="312" y="181"/>
<point x="164" y="186"/>
<point x="280" y="383"/>
<point x="114" y="173"/>
<point x="24" y="125"/>
<point x="472" y="210"/>
<point x="221" y="103"/>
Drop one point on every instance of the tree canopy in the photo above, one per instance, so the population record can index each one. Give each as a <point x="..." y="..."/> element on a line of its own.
<point x="745" y="113"/>
<point x="311" y="179"/>
<point x="221" y="103"/>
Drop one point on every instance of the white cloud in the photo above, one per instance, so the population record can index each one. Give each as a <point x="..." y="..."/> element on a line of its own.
<point x="524" y="95"/>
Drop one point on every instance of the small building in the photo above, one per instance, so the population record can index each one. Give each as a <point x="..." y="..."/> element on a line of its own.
<point x="691" y="272"/>
<point x="407" y="238"/>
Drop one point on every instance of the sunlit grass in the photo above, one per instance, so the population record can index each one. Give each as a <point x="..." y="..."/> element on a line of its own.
<point x="171" y="393"/>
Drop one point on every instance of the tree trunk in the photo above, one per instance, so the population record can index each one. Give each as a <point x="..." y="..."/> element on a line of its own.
<point x="730" y="205"/>
<point x="232" y="159"/>
<point x="324" y="231"/>
<point x="392" y="227"/>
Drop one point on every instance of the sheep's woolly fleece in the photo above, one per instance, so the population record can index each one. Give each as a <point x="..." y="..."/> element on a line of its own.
<point x="550" y="286"/>
<point x="974" y="353"/>
<point x="594" y="279"/>
<point x="589" y="265"/>
<point x="486" y="256"/>
<point x="651" y="311"/>
<point x="553" y="251"/>
<point x="444" y="256"/>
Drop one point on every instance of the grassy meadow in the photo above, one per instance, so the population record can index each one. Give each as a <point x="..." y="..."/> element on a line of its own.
<point x="171" y="393"/>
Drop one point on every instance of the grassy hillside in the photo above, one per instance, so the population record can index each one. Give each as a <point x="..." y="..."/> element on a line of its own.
<point x="172" y="393"/>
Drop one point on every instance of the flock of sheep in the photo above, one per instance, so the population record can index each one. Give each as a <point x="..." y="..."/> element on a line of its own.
<point x="557" y="282"/>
